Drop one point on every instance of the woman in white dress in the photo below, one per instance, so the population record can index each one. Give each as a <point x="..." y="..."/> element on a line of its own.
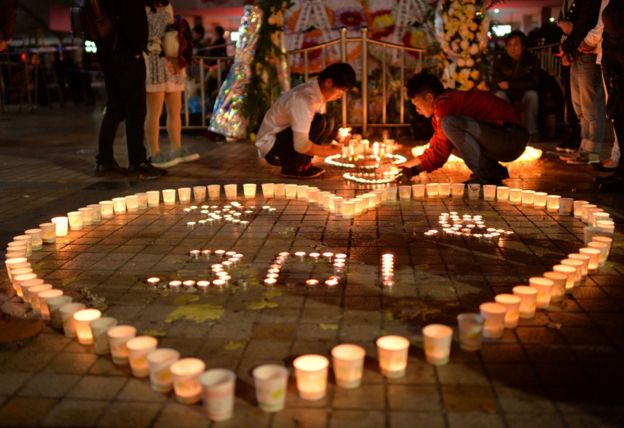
<point x="165" y="81"/>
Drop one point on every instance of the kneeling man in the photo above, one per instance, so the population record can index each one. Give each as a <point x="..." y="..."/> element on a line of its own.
<point x="483" y="129"/>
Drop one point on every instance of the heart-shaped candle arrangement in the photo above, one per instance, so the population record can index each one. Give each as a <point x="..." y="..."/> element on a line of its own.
<point x="338" y="263"/>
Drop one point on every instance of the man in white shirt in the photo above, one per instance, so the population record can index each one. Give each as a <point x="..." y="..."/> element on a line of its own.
<point x="297" y="127"/>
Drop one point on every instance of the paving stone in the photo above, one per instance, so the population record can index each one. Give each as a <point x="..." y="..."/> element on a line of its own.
<point x="129" y="414"/>
<point x="406" y="419"/>
<point x="98" y="387"/>
<point x="474" y="420"/>
<point x="72" y="363"/>
<point x="356" y="419"/>
<point x="469" y="398"/>
<point x="49" y="385"/>
<point x="75" y="413"/>
<point x="300" y="418"/>
<point x="140" y="390"/>
<point x="174" y="414"/>
<point x="414" y="397"/>
<point x="10" y="382"/>
<point x="371" y="397"/>
<point x="25" y="410"/>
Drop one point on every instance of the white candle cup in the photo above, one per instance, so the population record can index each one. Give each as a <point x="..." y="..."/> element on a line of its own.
<point x="132" y="203"/>
<point x="54" y="306"/>
<point x="348" y="362"/>
<point x="291" y="191"/>
<point x="584" y="258"/>
<point x="119" y="205"/>
<point x="96" y="211"/>
<point x="594" y="257"/>
<point x="444" y="189"/>
<point x="502" y="193"/>
<point x="153" y="198"/>
<point x="159" y="362"/>
<point x="142" y="199"/>
<point x="199" y="193"/>
<point x="313" y="195"/>
<point x="249" y="190"/>
<point x="231" y="191"/>
<point x="348" y="209"/>
<point x="605" y="227"/>
<point x="36" y="238"/>
<point x="457" y="190"/>
<point x="602" y="246"/>
<point x="539" y="199"/>
<point x="585" y="210"/>
<point x="22" y="282"/>
<point x="418" y="190"/>
<point x="470" y="331"/>
<point x="599" y="215"/>
<point x="528" y="297"/>
<point x="528" y="196"/>
<point x="48" y="232"/>
<point x="494" y="319"/>
<point x="33" y="296"/>
<point x="569" y="272"/>
<point x="169" y="196"/>
<point x="405" y="192"/>
<point x="280" y="190"/>
<point x="214" y="192"/>
<point x="544" y="287"/>
<point x="16" y="248"/>
<point x="578" y="208"/>
<point x="576" y="264"/>
<point x="489" y="192"/>
<point x="311" y="374"/>
<point x="62" y="226"/>
<point x="512" y="304"/>
<point x="186" y="374"/>
<point x="392" y="351"/>
<point x="271" y="382"/>
<point x="75" y="220"/>
<point x="17" y="266"/>
<point x="107" y="208"/>
<point x="87" y="216"/>
<point x="218" y="387"/>
<point x="302" y="192"/>
<point x="552" y="202"/>
<point x="515" y="196"/>
<point x="605" y="239"/>
<point x="432" y="189"/>
<point x="82" y="320"/>
<point x="184" y="195"/>
<point x="565" y="206"/>
<point x="438" y="339"/>
<point x="268" y="190"/>
<point x="118" y="336"/>
<point x="16" y="253"/>
<point x="99" y="328"/>
<point x="138" y="348"/>
<point x="67" y="318"/>
<point x="44" y="298"/>
<point x="391" y="193"/>
<point x="559" y="285"/>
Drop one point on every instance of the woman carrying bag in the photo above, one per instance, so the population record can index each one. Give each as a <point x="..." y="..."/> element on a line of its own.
<point x="165" y="81"/>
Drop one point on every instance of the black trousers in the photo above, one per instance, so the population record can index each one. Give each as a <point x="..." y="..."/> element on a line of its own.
<point x="322" y="130"/>
<point x="125" y="100"/>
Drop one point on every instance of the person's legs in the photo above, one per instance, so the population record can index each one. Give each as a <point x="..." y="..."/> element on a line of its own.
<point x="152" y="121"/>
<point x="530" y="101"/>
<point x="113" y="116"/>
<point x="135" y="112"/>
<point x="284" y="150"/>
<point x="174" y="119"/>
<point x="591" y="102"/>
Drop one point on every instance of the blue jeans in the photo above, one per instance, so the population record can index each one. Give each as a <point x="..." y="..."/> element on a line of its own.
<point x="482" y="144"/>
<point x="588" y="101"/>
<point x="530" y="105"/>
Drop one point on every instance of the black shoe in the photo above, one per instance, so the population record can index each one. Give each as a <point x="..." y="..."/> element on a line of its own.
<point x="306" y="172"/>
<point x="146" y="171"/>
<point x="569" y="145"/>
<point x="102" y="169"/>
<point x="612" y="183"/>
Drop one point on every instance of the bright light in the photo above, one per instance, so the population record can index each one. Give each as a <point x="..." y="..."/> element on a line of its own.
<point x="551" y="19"/>
<point x="234" y="36"/>
<point x="90" y="46"/>
<point x="501" y="29"/>
<point x="529" y="157"/>
<point x="497" y="10"/>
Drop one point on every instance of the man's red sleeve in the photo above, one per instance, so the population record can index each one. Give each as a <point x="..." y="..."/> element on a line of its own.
<point x="440" y="147"/>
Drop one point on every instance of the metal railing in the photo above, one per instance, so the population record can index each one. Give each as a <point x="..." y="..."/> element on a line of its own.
<point x="547" y="58"/>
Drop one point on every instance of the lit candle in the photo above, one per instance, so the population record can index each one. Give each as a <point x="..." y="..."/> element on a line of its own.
<point x="119" y="205"/>
<point x="348" y="362"/>
<point x="494" y="319"/>
<point x="512" y="305"/>
<point x="159" y="362"/>
<point x="527" y="297"/>
<point x="186" y="374"/>
<point x="392" y="351"/>
<point x="470" y="331"/>
<point x="118" y="336"/>
<point x="82" y="320"/>
<point x="218" y="393"/>
<point x="138" y="348"/>
<point x="311" y="374"/>
<point x="569" y="272"/>
<point x="67" y="312"/>
<point x="544" y="288"/>
<point x="559" y="285"/>
<point x="107" y="208"/>
<point x="99" y="328"/>
<point x="62" y="225"/>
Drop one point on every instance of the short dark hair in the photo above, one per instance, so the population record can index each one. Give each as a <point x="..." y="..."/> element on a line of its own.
<point x="423" y="82"/>
<point x="520" y="35"/>
<point x="219" y="30"/>
<point x="341" y="74"/>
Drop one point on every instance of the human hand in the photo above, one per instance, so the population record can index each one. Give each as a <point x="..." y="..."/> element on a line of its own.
<point x="566" y="60"/>
<point x="503" y="85"/>
<point x="586" y="48"/>
<point x="566" y="26"/>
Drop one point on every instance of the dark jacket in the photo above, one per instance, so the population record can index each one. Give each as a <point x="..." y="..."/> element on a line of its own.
<point x="7" y="19"/>
<point x="522" y="75"/>
<point x="131" y="32"/>
<point x="613" y="34"/>
<point x="584" y="15"/>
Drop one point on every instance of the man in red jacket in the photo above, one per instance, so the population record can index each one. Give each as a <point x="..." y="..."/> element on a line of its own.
<point x="481" y="128"/>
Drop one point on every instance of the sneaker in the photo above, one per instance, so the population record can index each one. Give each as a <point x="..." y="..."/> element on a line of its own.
<point x="306" y="172"/>
<point x="102" y="169"/>
<point x="146" y="171"/>
<point x="184" y="155"/>
<point x="163" y="160"/>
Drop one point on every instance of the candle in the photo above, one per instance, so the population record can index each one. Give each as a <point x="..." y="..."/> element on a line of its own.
<point x="528" y="197"/>
<point x="138" y="348"/>
<point x="107" y="208"/>
<point x="270" y="381"/>
<point x="218" y="393"/>
<point x="474" y="191"/>
<point x="418" y="190"/>
<point x="432" y="189"/>
<point x="391" y="193"/>
<point x="578" y="265"/>
<point x="512" y="305"/>
<point x="231" y="191"/>
<point x="291" y="191"/>
<point x="392" y="351"/>
<point x="159" y="363"/>
<point x="153" y="198"/>
<point x="527" y="297"/>
<point x="569" y="272"/>
<point x="544" y="288"/>
<point x="96" y="210"/>
<point x="437" y="343"/>
<point x="153" y="281"/>
<point x="82" y="320"/>
<point x="494" y="319"/>
<point x="48" y="232"/>
<point x="489" y="192"/>
<point x="87" y="216"/>
<point x="312" y="282"/>
<point x="348" y="362"/>
<point x="99" y="329"/>
<point x="119" y="205"/>
<point x="62" y="225"/>
<point x="35" y="238"/>
<point x="405" y="192"/>
<point x="67" y="313"/>
<point x="34" y="298"/>
<point x="142" y="200"/>
<point x="184" y="195"/>
<point x="594" y="257"/>
<point x="565" y="205"/>
<point x="502" y="193"/>
<point x="444" y="189"/>
<point x="54" y="306"/>
<point x="44" y="298"/>
<point x="539" y="199"/>
<point x="186" y="385"/>
<point x="168" y="196"/>
<point x="132" y="203"/>
<point x="470" y="331"/>
<point x="199" y="193"/>
<point x="118" y="337"/>
<point x="559" y="285"/>
<point x="23" y="281"/>
<point x="583" y="258"/>
<point x="311" y="375"/>
<point x="515" y="196"/>
<point x="552" y="202"/>
<point x="268" y="190"/>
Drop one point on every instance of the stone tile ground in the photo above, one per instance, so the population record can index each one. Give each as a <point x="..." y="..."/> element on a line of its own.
<point x="561" y="369"/>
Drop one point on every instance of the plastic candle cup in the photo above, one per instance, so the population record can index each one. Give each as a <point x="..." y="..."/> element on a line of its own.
<point x="169" y="196"/>
<point x="107" y="208"/>
<point x="569" y="272"/>
<point x="438" y="339"/>
<point x="444" y="189"/>
<point x="99" y="327"/>
<point x="119" y="205"/>
<point x="474" y="191"/>
<point x="502" y="193"/>
<point x="578" y="265"/>
<point x="48" y="232"/>
<point x="87" y="216"/>
<point x="336" y="204"/>
<point x="268" y="190"/>
<point x="33" y="296"/>
<point x="391" y="193"/>
<point x="54" y="306"/>
<point x="585" y="211"/>
<point x="348" y="362"/>
<point x="596" y="216"/>
<point x="291" y="191"/>
<point x="559" y="285"/>
<point x="153" y="198"/>
<point x="512" y="303"/>
<point x="544" y="288"/>
<point x="270" y="381"/>
<point x="36" y="239"/>
<point x="184" y="195"/>
<point x="23" y="279"/>
<point x="528" y="197"/>
<point x="418" y="190"/>
<point x="62" y="225"/>
<point x="311" y="374"/>
<point x="515" y="196"/>
<point x="527" y="296"/>
<point x="405" y="192"/>
<point x="231" y="191"/>
<point x="577" y="208"/>
<point x="392" y="351"/>
<point x="186" y="372"/>
<point x="470" y="331"/>
<point x="132" y="203"/>
<point x="44" y="297"/>
<point x="552" y="202"/>
<point x="565" y="205"/>
<point x="432" y="189"/>
<point x="218" y="393"/>
<point x="539" y="199"/>
<point x="67" y="318"/>
<point x="118" y="336"/>
<point x="214" y="192"/>
<point x="82" y="320"/>
<point x="142" y="200"/>
<point x="199" y="193"/>
<point x="605" y="239"/>
<point x="313" y="194"/>
<point x="302" y="192"/>
<point x="584" y="258"/>
<point x="457" y="190"/>
<point x="594" y="257"/>
<point x="138" y="348"/>
<point x="494" y="319"/>
<point x="489" y="192"/>
<point x="159" y="362"/>
<point x="348" y="208"/>
<point x="14" y="262"/>
<point x="280" y="190"/>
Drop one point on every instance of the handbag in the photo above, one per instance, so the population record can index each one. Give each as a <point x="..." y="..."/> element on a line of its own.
<point x="171" y="44"/>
